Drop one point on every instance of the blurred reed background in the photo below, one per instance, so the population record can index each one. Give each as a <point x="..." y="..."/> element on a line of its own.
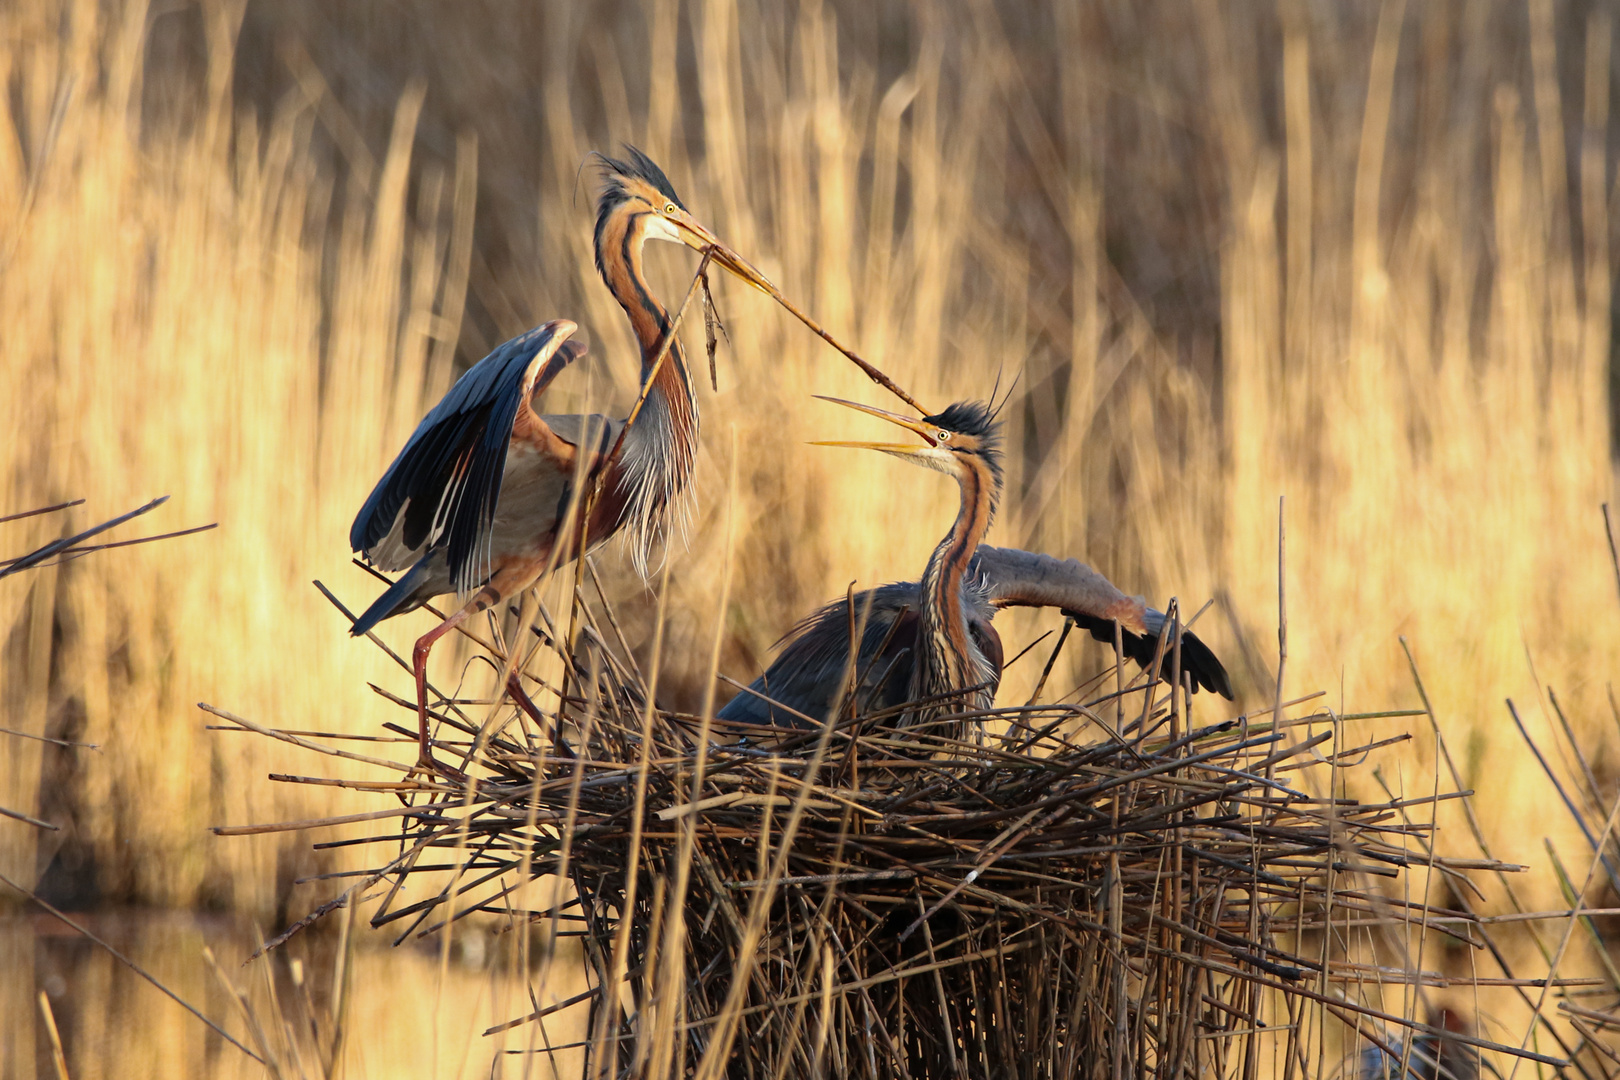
<point x="1357" y="255"/>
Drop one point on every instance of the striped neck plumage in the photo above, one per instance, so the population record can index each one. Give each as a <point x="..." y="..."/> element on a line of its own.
<point x="661" y="444"/>
<point x="948" y="659"/>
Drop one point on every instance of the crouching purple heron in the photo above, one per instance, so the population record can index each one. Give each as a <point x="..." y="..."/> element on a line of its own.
<point x="475" y="503"/>
<point x="932" y="641"/>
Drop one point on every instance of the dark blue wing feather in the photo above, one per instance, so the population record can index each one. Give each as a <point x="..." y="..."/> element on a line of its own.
<point x="398" y="595"/>
<point x="449" y="472"/>
<point x="807" y="674"/>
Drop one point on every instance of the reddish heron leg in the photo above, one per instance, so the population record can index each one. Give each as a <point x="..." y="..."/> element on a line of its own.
<point x="514" y="686"/>
<point x="419" y="657"/>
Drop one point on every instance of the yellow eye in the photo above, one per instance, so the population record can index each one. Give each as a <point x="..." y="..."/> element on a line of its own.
<point x="669" y="208"/>
<point x="944" y="436"/>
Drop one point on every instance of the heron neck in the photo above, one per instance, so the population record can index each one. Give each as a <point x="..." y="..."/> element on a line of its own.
<point x="661" y="444"/>
<point x="619" y="247"/>
<point x="947" y="657"/>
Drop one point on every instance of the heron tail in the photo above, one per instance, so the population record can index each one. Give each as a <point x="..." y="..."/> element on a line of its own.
<point x="396" y="599"/>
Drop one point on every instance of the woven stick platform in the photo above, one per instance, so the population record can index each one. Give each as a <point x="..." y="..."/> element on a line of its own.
<point x="1104" y="889"/>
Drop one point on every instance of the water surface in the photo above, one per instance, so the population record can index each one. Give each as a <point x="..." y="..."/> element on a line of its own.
<point x="410" y="1011"/>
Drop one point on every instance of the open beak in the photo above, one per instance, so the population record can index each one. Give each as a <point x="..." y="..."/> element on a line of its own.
<point x="898" y="449"/>
<point x="696" y="236"/>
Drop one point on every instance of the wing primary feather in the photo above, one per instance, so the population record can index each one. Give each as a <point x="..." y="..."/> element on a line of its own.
<point x="1013" y="577"/>
<point x="393" y="598"/>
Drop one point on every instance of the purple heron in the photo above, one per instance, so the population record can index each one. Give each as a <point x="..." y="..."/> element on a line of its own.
<point x="475" y="503"/>
<point x="933" y="640"/>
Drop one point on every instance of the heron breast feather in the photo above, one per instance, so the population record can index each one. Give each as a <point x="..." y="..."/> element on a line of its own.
<point x="533" y="488"/>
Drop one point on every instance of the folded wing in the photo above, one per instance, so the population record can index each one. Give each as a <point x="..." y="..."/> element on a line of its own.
<point x="813" y="665"/>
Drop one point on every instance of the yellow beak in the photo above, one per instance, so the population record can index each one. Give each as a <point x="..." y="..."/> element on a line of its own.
<point x="917" y="426"/>
<point x="700" y="238"/>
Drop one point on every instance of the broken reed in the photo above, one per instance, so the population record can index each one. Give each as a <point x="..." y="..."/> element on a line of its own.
<point x="1091" y="889"/>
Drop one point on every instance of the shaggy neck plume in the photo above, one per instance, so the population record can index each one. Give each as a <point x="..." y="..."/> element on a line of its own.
<point x="948" y="658"/>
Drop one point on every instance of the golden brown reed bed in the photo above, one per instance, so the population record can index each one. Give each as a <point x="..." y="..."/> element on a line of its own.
<point x="1358" y="254"/>
<point x="1224" y="276"/>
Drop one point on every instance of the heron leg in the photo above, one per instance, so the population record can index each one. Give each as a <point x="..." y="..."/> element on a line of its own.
<point x="514" y="686"/>
<point x="419" y="656"/>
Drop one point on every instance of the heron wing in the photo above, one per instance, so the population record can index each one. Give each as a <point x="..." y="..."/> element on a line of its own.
<point x="812" y="668"/>
<point x="813" y="664"/>
<point x="592" y="431"/>
<point x="1010" y="577"/>
<point x="1014" y="578"/>
<point x="444" y="485"/>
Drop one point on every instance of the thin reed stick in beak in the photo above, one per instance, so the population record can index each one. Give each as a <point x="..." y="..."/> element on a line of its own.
<point x="872" y="372"/>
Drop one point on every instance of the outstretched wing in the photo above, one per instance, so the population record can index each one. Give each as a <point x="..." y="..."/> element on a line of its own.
<point x="443" y="486"/>
<point x="1011" y="577"/>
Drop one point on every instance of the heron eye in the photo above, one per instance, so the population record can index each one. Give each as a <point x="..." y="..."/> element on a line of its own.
<point x="669" y="208"/>
<point x="944" y="436"/>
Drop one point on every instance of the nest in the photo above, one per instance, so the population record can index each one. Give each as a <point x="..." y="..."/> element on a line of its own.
<point x="1091" y="889"/>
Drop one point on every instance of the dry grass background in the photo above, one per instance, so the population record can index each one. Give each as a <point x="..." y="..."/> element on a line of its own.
<point x="1355" y="254"/>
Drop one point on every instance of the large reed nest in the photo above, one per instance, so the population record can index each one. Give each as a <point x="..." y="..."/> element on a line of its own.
<point x="1105" y="889"/>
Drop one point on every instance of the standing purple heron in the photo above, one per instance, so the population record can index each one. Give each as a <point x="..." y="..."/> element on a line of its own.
<point x="477" y="500"/>
<point x="931" y="641"/>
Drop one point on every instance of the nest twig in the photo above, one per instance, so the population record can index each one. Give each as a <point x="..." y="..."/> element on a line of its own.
<point x="1068" y="897"/>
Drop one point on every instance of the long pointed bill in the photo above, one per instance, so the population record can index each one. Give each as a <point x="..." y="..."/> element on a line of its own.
<point x="917" y="426"/>
<point x="702" y="239"/>
<point x="897" y="449"/>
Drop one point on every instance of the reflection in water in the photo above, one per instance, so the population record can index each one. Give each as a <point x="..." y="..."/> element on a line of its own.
<point x="408" y="1011"/>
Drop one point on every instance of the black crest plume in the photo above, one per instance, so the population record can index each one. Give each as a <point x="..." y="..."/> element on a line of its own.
<point x="973" y="418"/>
<point x="615" y="172"/>
<point x="635" y="165"/>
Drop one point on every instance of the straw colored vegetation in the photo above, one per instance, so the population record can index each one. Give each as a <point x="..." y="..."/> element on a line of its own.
<point x="1356" y="255"/>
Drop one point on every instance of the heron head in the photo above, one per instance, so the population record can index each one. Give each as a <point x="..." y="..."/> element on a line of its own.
<point x="637" y="187"/>
<point x="965" y="435"/>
